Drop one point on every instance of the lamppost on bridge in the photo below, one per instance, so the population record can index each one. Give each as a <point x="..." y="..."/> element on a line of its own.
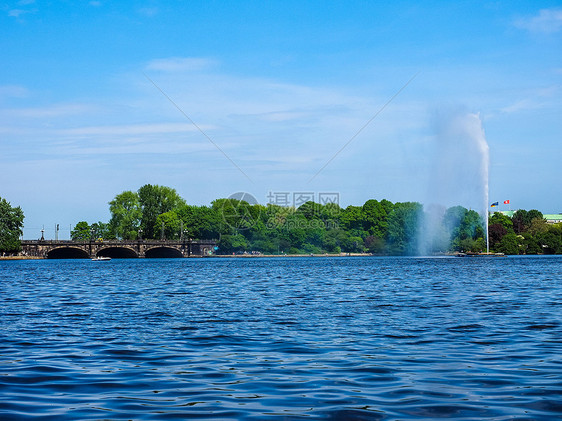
<point x="139" y="241"/>
<point x="91" y="238"/>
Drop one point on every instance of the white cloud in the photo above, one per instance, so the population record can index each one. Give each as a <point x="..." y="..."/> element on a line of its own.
<point x="148" y="11"/>
<point x="180" y="64"/>
<point x="278" y="133"/>
<point x="547" y="21"/>
<point x="16" y="13"/>
<point x="130" y="130"/>
<point x="271" y="126"/>
<point x="56" y="110"/>
<point x="521" y="105"/>
<point x="13" y="91"/>
<point x="536" y="99"/>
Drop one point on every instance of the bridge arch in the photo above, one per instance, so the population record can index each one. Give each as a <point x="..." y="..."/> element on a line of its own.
<point x="67" y="253"/>
<point x="117" y="252"/>
<point x="162" y="253"/>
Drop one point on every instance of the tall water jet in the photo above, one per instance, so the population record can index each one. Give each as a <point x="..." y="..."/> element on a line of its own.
<point x="458" y="171"/>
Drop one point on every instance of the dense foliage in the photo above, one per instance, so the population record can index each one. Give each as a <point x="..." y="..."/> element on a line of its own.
<point x="378" y="227"/>
<point x="11" y="224"/>
<point x="526" y="232"/>
<point x="85" y="232"/>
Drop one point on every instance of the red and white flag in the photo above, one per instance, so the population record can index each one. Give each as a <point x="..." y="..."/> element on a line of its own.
<point x="506" y="202"/>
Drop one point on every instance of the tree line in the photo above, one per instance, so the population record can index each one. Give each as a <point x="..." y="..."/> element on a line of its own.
<point x="526" y="232"/>
<point x="378" y="227"/>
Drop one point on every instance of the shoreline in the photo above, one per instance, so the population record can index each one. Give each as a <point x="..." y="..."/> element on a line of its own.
<point x="21" y="258"/>
<point x="293" y="255"/>
<point x="220" y="256"/>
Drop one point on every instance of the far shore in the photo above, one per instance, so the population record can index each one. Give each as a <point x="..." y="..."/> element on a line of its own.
<point x="20" y="258"/>
<point x="294" y="255"/>
<point x="226" y="256"/>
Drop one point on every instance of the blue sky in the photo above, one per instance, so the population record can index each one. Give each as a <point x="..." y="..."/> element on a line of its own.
<point x="280" y="87"/>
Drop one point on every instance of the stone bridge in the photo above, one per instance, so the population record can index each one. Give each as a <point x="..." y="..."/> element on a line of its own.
<point x="68" y="249"/>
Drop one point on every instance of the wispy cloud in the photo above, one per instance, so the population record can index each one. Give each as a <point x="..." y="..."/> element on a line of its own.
<point x="536" y="99"/>
<point x="278" y="132"/>
<point x="521" y="105"/>
<point x="129" y="130"/>
<point x="547" y="21"/>
<point x="13" y="91"/>
<point x="264" y="120"/>
<point x="16" y="13"/>
<point x="148" y="11"/>
<point x="56" y="110"/>
<point x="180" y="64"/>
<point x="21" y="9"/>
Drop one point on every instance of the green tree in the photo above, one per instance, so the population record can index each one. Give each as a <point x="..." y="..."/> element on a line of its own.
<point x="530" y="244"/>
<point x="229" y="244"/>
<point x="11" y="224"/>
<point x="155" y="200"/>
<point x="472" y="225"/>
<point x="551" y="240"/>
<point x="334" y="240"/>
<point x="509" y="244"/>
<point x="375" y="217"/>
<point x="522" y="219"/>
<point x="466" y="227"/>
<point x="330" y="212"/>
<point x="504" y="220"/>
<point x="100" y="230"/>
<point x="353" y="244"/>
<point x="310" y="210"/>
<point x="168" y="226"/>
<point x="496" y="233"/>
<point x="81" y="232"/>
<point x="236" y="215"/>
<point x="375" y="245"/>
<point x="452" y="221"/>
<point x="538" y="226"/>
<point x="125" y="215"/>
<point x="352" y="219"/>
<point x="403" y="226"/>
<point x="199" y="221"/>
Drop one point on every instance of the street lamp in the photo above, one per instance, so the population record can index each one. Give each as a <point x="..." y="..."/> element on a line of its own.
<point x="91" y="237"/>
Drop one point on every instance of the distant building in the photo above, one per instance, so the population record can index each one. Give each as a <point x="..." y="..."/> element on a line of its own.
<point x="553" y="218"/>
<point x="507" y="213"/>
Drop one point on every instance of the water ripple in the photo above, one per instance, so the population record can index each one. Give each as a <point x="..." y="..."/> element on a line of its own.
<point x="253" y="339"/>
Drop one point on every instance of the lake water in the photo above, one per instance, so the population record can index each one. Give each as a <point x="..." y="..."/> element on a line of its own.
<point x="282" y="339"/>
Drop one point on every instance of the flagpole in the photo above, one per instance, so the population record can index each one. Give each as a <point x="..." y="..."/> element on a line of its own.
<point x="493" y="205"/>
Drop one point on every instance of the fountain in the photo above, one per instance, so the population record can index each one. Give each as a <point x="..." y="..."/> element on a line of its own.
<point x="458" y="170"/>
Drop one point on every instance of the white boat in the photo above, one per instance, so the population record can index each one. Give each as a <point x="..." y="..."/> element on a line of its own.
<point x="101" y="258"/>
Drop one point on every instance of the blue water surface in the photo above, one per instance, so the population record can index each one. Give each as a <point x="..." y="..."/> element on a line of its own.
<point x="282" y="339"/>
